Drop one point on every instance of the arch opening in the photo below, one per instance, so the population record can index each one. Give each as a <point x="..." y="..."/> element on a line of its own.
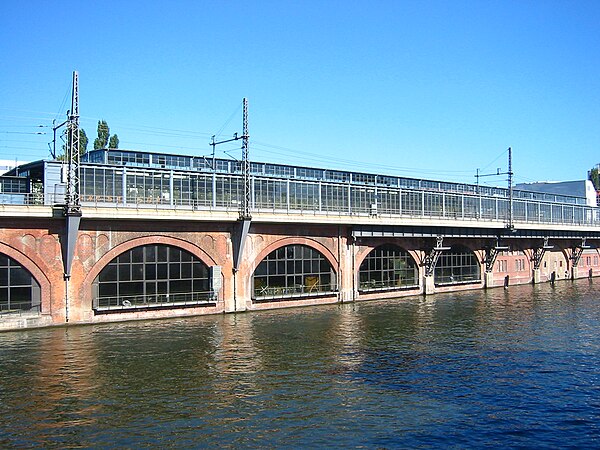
<point x="153" y="276"/>
<point x="459" y="265"/>
<point x="293" y="271"/>
<point x="19" y="290"/>
<point x="387" y="267"/>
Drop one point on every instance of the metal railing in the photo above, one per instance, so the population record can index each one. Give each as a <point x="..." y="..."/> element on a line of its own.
<point x="129" y="302"/>
<point x="321" y="198"/>
<point x="268" y="293"/>
<point x="19" y="309"/>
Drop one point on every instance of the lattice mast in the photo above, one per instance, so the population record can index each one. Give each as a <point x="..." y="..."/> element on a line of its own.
<point x="510" y="190"/>
<point x="245" y="210"/>
<point x="72" y="204"/>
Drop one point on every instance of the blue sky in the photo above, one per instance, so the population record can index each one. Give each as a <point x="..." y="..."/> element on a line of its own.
<point x="432" y="89"/>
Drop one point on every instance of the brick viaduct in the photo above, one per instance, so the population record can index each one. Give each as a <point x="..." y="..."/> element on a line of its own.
<point x="35" y="239"/>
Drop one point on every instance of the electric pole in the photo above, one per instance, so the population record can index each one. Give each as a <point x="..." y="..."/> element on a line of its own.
<point x="245" y="210"/>
<point x="72" y="205"/>
<point x="510" y="224"/>
<point x="245" y="201"/>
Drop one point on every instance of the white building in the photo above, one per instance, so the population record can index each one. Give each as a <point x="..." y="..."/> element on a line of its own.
<point x="580" y="188"/>
<point x="9" y="164"/>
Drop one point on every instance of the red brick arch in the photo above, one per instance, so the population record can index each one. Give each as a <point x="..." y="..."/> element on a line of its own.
<point x="326" y="252"/>
<point x="35" y="271"/>
<point x="133" y="243"/>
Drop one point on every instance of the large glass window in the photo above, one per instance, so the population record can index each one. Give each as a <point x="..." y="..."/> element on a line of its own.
<point x="335" y="197"/>
<point x="304" y="195"/>
<point x="457" y="265"/>
<point x="387" y="267"/>
<point x="19" y="291"/>
<point x="150" y="276"/>
<point x="270" y="194"/>
<point x="292" y="271"/>
<point x="229" y="191"/>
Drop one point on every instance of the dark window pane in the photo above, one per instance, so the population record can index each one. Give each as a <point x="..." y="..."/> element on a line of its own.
<point x="150" y="272"/>
<point x="137" y="255"/>
<point x="162" y="253"/>
<point x="20" y="295"/>
<point x="186" y="270"/>
<point x="174" y="271"/>
<point x="151" y="253"/>
<point x="124" y="272"/>
<point x="136" y="288"/>
<point x="137" y="271"/>
<point x="200" y="285"/>
<point x="174" y="254"/>
<point x="181" y="286"/>
<point x="19" y="277"/>
<point x="162" y="271"/>
<point x="107" y="289"/>
<point x="109" y="273"/>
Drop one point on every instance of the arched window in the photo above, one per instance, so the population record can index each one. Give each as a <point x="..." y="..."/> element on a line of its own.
<point x="387" y="267"/>
<point x="19" y="291"/>
<point x="457" y="265"/>
<point x="152" y="276"/>
<point x="292" y="271"/>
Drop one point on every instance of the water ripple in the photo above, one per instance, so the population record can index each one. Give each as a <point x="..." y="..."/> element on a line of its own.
<point x="511" y="368"/>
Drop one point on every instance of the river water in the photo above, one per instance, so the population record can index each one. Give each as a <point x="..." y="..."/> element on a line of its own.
<point x="517" y="368"/>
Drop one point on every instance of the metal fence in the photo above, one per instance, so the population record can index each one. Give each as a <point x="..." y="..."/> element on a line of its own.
<point x="152" y="189"/>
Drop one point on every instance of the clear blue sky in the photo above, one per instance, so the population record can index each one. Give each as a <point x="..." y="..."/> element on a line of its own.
<point x="432" y="89"/>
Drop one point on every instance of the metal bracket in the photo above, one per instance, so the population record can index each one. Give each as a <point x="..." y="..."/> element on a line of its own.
<point x="577" y="251"/>
<point x="538" y="253"/>
<point x="492" y="253"/>
<point x="433" y="256"/>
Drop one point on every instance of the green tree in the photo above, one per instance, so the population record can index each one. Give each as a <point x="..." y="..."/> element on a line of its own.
<point x="83" y="143"/>
<point x="104" y="139"/>
<point x="113" y="142"/>
<point x="594" y="177"/>
<point x="103" y="134"/>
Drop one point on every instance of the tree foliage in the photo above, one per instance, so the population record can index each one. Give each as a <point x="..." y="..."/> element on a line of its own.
<point x="103" y="135"/>
<point x="594" y="177"/>
<point x="104" y="139"/>
<point x="113" y="142"/>
<point x="83" y="143"/>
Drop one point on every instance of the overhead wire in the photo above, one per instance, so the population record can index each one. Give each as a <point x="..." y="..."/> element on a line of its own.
<point x="228" y="121"/>
<point x="260" y="147"/>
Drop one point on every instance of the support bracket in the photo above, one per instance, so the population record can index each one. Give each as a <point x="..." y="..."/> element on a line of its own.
<point x="577" y="251"/>
<point x="492" y="253"/>
<point x="538" y="253"/>
<point x="70" y="241"/>
<point x="239" y="236"/>
<point x="432" y="257"/>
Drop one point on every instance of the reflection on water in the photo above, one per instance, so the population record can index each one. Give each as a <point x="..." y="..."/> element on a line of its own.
<point x="502" y="367"/>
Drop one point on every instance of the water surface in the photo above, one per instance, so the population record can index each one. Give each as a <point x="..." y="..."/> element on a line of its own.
<point x="518" y="368"/>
